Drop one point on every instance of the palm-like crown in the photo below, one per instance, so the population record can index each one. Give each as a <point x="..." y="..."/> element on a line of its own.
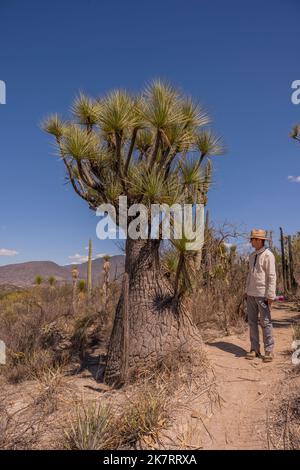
<point x="152" y="147"/>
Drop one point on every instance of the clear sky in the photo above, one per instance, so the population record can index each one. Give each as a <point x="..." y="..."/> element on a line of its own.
<point x="236" y="57"/>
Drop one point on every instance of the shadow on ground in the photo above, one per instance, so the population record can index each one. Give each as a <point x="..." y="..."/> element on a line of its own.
<point x="91" y="366"/>
<point x="231" y="348"/>
<point x="285" y="322"/>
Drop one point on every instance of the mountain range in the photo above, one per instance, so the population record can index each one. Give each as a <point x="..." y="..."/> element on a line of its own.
<point x="24" y="274"/>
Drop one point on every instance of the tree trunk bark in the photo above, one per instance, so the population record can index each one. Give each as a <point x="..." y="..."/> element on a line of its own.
<point x="156" y="324"/>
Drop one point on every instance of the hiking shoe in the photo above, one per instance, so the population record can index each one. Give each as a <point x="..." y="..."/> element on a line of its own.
<point x="252" y="355"/>
<point x="268" y="357"/>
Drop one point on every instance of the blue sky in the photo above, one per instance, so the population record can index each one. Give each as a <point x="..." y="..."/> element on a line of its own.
<point x="238" y="58"/>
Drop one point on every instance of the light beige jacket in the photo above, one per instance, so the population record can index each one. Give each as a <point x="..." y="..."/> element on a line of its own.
<point x="261" y="280"/>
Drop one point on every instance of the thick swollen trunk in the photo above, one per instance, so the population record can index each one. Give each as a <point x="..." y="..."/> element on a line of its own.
<point x="149" y="323"/>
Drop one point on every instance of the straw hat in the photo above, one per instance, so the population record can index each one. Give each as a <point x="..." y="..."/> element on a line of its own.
<point x="259" y="233"/>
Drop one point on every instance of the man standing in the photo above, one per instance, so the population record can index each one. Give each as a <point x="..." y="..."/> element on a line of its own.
<point x="260" y="292"/>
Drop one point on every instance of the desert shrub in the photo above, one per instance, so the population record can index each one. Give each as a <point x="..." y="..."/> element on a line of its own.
<point x="25" y="366"/>
<point x="22" y="319"/>
<point x="24" y="323"/>
<point x="284" y="422"/>
<point x="40" y="329"/>
<point x="92" y="429"/>
<point x="50" y="383"/>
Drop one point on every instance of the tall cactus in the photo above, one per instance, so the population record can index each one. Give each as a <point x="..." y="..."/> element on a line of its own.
<point x="206" y="255"/>
<point x="202" y="199"/>
<point x="270" y="237"/>
<point x="75" y="274"/>
<point x="89" y="272"/>
<point x="287" y="264"/>
<point x="293" y="281"/>
<point x="283" y="261"/>
<point x="106" y="268"/>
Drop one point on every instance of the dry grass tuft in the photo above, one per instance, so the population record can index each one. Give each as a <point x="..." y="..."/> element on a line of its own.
<point x="145" y="415"/>
<point x="284" y="421"/>
<point x="51" y="384"/>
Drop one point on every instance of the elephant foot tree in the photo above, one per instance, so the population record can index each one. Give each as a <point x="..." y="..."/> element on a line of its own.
<point x="153" y="148"/>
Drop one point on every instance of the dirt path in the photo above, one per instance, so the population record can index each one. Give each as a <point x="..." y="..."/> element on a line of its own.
<point x="246" y="387"/>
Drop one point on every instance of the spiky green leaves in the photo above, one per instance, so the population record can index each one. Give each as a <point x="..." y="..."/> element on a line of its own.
<point x="113" y="190"/>
<point x="85" y="110"/>
<point x="191" y="174"/>
<point x="208" y="143"/>
<point x="161" y="105"/>
<point x="117" y="112"/>
<point x="54" y="125"/>
<point x="80" y="143"/>
<point x="178" y="137"/>
<point x="195" y="180"/>
<point x="193" y="115"/>
<point x="150" y="187"/>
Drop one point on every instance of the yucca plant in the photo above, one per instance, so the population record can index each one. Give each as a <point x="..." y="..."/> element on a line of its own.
<point x="38" y="280"/>
<point x="51" y="281"/>
<point x="75" y="274"/>
<point x="92" y="428"/>
<point x="81" y="285"/>
<point x="89" y="271"/>
<point x="153" y="147"/>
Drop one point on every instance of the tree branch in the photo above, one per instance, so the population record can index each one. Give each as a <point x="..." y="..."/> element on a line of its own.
<point x="133" y="138"/>
<point x="201" y="158"/>
<point x="83" y="194"/>
<point x="118" y="162"/>
<point x="155" y="149"/>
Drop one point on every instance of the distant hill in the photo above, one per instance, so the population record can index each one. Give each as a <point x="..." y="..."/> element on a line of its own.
<point x="24" y="274"/>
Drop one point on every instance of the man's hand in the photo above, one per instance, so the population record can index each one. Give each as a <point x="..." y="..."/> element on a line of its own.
<point x="269" y="302"/>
